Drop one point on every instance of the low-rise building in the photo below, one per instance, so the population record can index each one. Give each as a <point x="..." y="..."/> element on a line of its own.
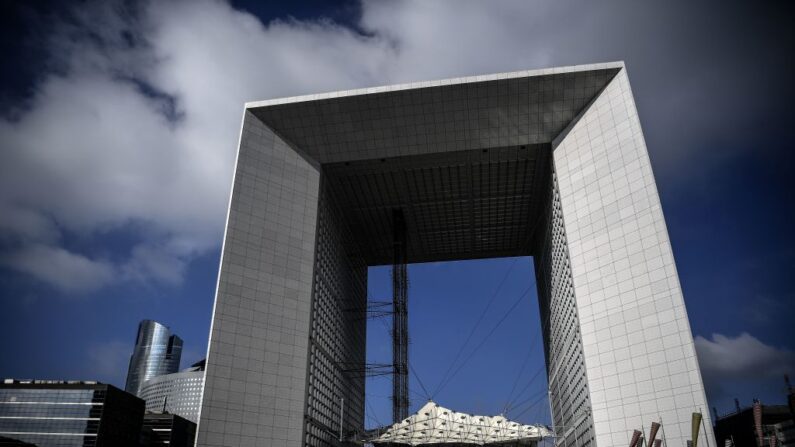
<point x="178" y="393"/>
<point x="73" y="413"/>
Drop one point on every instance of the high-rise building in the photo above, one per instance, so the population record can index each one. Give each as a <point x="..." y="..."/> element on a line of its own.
<point x="157" y="352"/>
<point x="50" y="413"/>
<point x="548" y="163"/>
<point x="178" y="393"/>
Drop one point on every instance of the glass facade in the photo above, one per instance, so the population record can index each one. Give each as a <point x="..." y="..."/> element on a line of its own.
<point x="157" y="352"/>
<point x="66" y="415"/>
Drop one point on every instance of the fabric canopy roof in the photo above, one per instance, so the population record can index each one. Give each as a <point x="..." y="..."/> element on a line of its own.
<point x="434" y="424"/>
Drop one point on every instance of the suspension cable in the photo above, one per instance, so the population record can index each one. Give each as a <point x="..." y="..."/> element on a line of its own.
<point x="513" y="404"/>
<point x="485" y="339"/>
<point x="526" y="400"/>
<point x="474" y="328"/>
<point x="518" y="376"/>
<point x="416" y="376"/>
<point x="544" y="324"/>
<point x="543" y="394"/>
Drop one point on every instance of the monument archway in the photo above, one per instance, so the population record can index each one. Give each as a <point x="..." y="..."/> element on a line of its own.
<point x="548" y="163"/>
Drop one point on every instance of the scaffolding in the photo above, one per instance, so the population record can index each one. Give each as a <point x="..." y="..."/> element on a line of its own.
<point x="400" y="330"/>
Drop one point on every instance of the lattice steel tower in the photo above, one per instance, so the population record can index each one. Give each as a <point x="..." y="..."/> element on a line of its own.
<point x="400" y="323"/>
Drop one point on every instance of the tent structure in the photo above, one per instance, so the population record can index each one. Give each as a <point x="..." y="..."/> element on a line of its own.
<point x="437" y="425"/>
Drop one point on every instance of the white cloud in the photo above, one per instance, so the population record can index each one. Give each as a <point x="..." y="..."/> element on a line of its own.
<point x="67" y="271"/>
<point x="143" y="136"/>
<point x="742" y="357"/>
<point x="135" y="126"/>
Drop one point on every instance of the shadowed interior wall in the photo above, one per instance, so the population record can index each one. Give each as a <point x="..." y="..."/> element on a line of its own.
<point x="335" y="385"/>
<point x="569" y="398"/>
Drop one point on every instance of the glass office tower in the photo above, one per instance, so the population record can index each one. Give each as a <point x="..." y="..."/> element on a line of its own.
<point x="157" y="352"/>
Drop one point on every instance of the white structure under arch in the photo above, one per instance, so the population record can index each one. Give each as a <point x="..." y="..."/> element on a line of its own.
<point x="434" y="424"/>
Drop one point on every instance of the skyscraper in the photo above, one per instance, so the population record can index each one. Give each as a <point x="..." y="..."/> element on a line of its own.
<point x="157" y="352"/>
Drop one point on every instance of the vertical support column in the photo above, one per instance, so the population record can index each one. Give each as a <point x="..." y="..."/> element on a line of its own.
<point x="638" y="349"/>
<point x="400" y="329"/>
<point x="255" y="381"/>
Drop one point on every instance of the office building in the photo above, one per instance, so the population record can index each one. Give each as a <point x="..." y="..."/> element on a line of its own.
<point x="167" y="430"/>
<point x="50" y="413"/>
<point x="157" y="351"/>
<point x="177" y="393"/>
<point x="548" y="163"/>
<point x="739" y="427"/>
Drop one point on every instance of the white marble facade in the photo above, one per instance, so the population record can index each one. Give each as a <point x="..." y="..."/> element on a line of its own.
<point x="268" y="379"/>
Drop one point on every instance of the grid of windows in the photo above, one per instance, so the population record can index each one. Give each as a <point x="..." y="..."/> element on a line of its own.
<point x="178" y="393"/>
<point x="338" y="331"/>
<point x="51" y="417"/>
<point x="568" y="387"/>
<point x="68" y="415"/>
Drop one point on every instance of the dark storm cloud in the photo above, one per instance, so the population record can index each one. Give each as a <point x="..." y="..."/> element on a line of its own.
<point x="709" y="77"/>
<point x="141" y="109"/>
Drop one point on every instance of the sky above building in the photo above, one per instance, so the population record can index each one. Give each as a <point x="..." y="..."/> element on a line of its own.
<point x="119" y="128"/>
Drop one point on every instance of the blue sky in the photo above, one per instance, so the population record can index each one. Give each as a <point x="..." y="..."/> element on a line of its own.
<point x="117" y="144"/>
<point x="502" y="363"/>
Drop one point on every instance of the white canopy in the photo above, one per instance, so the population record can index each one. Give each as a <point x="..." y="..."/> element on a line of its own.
<point x="434" y="424"/>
